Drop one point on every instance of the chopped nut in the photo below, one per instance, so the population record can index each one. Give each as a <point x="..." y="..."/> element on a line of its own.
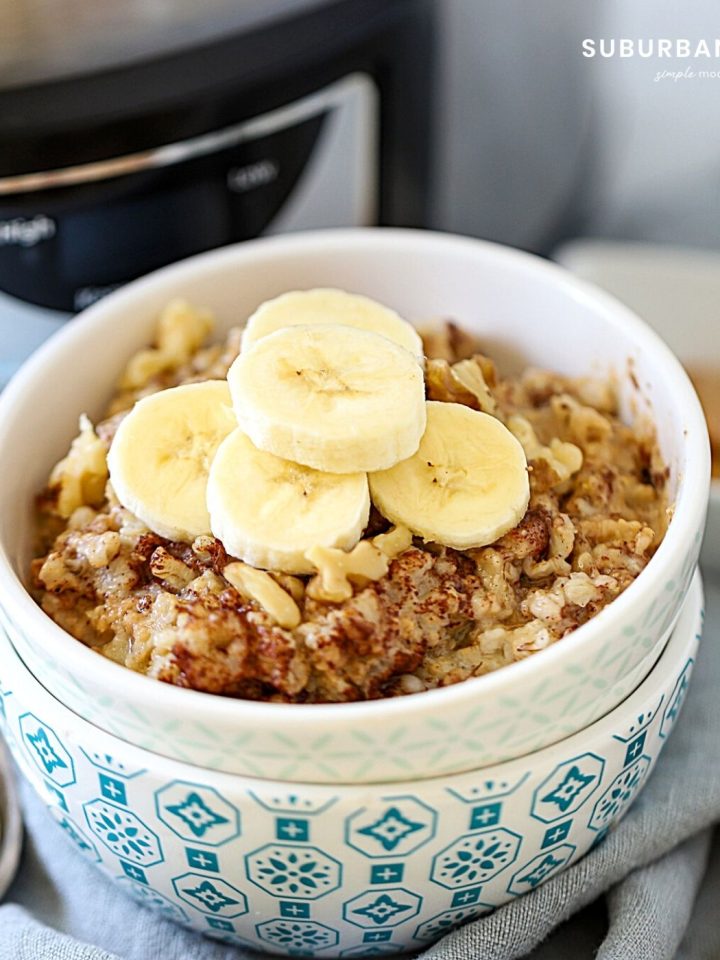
<point x="409" y="683"/>
<point x="461" y="383"/>
<point x="80" y="477"/>
<point x="207" y="583"/>
<point x="470" y="375"/>
<point x="597" y="393"/>
<point x="294" y="585"/>
<point x="99" y="549"/>
<point x="55" y="574"/>
<point x="204" y="547"/>
<point x="540" y="569"/>
<point x="181" y="330"/>
<point x="169" y="569"/>
<point x="433" y="616"/>
<point x="145" y="365"/>
<point x="446" y="341"/>
<point x="81" y="517"/>
<point x="585" y="423"/>
<point x="264" y="590"/>
<point x="580" y="589"/>
<point x="394" y="542"/>
<point x="336" y="568"/>
<point x="562" y="536"/>
<point x="530" y="638"/>
<point x="564" y="459"/>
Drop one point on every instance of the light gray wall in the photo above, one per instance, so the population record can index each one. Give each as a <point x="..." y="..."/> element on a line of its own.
<point x="536" y="142"/>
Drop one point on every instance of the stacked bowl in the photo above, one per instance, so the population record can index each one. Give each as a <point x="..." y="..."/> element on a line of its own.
<point x="366" y="828"/>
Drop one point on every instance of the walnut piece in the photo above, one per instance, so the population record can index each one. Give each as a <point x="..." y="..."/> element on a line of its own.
<point x="265" y="591"/>
<point x="336" y="570"/>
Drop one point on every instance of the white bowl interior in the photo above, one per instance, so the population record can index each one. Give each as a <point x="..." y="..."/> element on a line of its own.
<point x="676" y="291"/>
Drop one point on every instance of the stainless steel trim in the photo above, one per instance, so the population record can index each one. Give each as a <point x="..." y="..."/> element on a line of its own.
<point x="174" y="153"/>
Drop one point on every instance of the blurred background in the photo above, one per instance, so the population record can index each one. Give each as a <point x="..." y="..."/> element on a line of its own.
<point x="137" y="132"/>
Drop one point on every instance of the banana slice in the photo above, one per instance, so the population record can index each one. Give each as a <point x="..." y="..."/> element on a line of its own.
<point x="466" y="485"/>
<point x="161" y="454"/>
<point x="326" y="305"/>
<point x="269" y="512"/>
<point x="331" y="397"/>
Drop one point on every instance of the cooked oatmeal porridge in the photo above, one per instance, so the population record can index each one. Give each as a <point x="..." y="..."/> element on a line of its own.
<point x="395" y="614"/>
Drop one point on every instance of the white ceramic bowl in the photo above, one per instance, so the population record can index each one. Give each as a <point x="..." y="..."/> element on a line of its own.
<point x="296" y="868"/>
<point x="526" y="311"/>
<point x="677" y="291"/>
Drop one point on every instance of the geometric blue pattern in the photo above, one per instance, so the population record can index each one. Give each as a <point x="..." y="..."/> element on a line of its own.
<point x="197" y="813"/>
<point x="46" y="751"/>
<point x="111" y="765"/>
<point x="124" y="833"/>
<point x="382" y="908"/>
<point x="405" y="825"/>
<point x="386" y="872"/>
<point x="488" y="789"/>
<point x="555" y="833"/>
<point x="368" y="871"/>
<point x="112" y="789"/>
<point x="618" y="796"/>
<point x="564" y="794"/>
<point x="288" y="871"/>
<point x="377" y="950"/>
<point x="540" y="868"/>
<point x="641" y="723"/>
<point x="568" y="787"/>
<point x="475" y="858"/>
<point x="292" y="829"/>
<point x="635" y="748"/>
<point x="302" y="935"/>
<point x="134" y="872"/>
<point x="292" y="803"/>
<point x="55" y="796"/>
<point x="294" y="910"/>
<point x="487" y="815"/>
<point x="676" y="699"/>
<point x="466" y="897"/>
<point x="197" y="817"/>
<point x="202" y="860"/>
<point x="391" y="829"/>
<point x="211" y="895"/>
<point x="49" y="757"/>
<point x="448" y="920"/>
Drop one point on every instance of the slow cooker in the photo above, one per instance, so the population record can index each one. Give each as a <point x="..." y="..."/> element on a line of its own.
<point x="135" y="134"/>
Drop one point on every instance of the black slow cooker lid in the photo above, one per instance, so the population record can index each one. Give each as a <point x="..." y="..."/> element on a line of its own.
<point x="137" y="106"/>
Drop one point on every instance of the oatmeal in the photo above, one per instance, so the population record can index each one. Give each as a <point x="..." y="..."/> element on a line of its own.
<point x="391" y="616"/>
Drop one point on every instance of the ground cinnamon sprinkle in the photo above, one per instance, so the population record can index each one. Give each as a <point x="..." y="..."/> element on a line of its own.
<point x="597" y="512"/>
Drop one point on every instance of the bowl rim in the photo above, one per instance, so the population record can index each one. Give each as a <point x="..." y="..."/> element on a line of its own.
<point x="680" y="646"/>
<point x="689" y="509"/>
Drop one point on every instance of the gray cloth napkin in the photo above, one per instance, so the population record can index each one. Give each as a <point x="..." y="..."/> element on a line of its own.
<point x="651" y="891"/>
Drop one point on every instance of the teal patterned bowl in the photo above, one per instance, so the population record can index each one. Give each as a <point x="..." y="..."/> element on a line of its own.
<point x="526" y="311"/>
<point x="351" y="871"/>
